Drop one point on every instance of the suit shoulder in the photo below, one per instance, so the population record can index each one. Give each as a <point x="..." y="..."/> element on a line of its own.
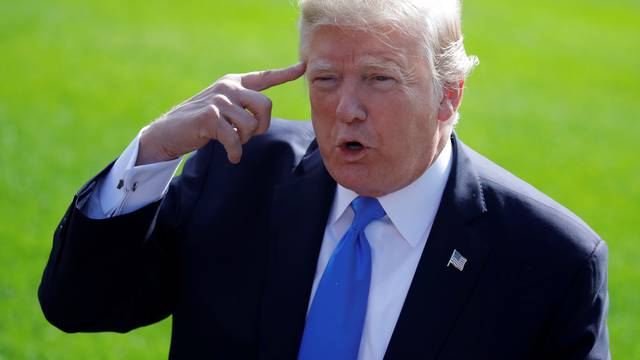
<point x="530" y="217"/>
<point x="288" y="130"/>
<point x="285" y="139"/>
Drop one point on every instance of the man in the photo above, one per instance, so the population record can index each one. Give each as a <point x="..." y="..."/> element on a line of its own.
<point x="375" y="233"/>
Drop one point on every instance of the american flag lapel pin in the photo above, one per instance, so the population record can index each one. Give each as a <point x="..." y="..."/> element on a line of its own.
<point x="457" y="260"/>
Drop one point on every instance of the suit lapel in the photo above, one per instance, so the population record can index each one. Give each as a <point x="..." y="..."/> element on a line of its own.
<point x="438" y="293"/>
<point x="300" y="211"/>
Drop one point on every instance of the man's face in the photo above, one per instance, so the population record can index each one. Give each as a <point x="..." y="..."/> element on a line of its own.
<point x="372" y="108"/>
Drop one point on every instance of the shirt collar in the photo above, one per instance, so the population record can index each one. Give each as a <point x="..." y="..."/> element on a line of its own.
<point x="411" y="209"/>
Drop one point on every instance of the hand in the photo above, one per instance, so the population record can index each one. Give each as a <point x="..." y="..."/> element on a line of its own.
<point x="231" y="110"/>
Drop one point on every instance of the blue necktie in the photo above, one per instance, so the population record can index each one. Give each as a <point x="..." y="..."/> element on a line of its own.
<point x="334" y="324"/>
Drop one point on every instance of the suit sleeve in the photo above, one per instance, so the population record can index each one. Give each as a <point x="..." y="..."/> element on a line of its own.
<point x="580" y="329"/>
<point x="118" y="273"/>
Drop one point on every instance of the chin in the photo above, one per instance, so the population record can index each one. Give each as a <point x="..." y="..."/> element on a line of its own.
<point x="359" y="179"/>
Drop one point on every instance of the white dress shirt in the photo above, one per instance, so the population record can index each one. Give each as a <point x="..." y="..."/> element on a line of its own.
<point x="127" y="187"/>
<point x="397" y="240"/>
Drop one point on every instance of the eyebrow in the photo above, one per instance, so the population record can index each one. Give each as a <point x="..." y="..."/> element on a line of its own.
<point x="319" y="65"/>
<point x="366" y="62"/>
<point x="385" y="63"/>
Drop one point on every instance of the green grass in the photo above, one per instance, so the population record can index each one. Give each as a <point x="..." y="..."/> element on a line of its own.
<point x="554" y="101"/>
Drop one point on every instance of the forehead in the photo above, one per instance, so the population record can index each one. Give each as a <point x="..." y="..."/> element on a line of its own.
<point x="331" y="46"/>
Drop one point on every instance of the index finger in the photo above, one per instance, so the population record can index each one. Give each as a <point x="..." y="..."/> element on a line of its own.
<point x="262" y="80"/>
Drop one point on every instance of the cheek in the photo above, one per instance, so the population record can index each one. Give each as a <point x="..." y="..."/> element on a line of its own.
<point x="391" y="116"/>
<point x="323" y="110"/>
<point x="404" y="126"/>
<point x="321" y="102"/>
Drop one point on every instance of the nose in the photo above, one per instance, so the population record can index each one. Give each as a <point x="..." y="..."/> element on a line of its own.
<point x="350" y="108"/>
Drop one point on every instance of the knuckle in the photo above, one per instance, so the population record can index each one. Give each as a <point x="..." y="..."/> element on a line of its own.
<point x="253" y="123"/>
<point x="220" y="100"/>
<point x="209" y="122"/>
<point x="264" y="105"/>
<point x="264" y="125"/>
<point x="211" y="111"/>
<point x="228" y="78"/>
<point x="263" y="129"/>
<point x="224" y="85"/>
<point x="265" y="74"/>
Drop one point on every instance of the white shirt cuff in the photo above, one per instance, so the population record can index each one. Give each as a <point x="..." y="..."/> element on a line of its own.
<point x="127" y="188"/>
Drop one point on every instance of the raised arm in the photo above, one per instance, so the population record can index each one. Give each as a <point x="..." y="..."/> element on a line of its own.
<point x="116" y="273"/>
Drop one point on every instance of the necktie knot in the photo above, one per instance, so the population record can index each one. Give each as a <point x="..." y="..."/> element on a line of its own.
<point x="366" y="210"/>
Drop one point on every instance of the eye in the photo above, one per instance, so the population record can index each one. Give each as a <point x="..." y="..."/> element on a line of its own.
<point x="382" y="82"/>
<point x="324" y="82"/>
<point x="382" y="78"/>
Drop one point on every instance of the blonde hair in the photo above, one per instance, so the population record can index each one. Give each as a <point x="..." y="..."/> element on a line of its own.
<point x="436" y="24"/>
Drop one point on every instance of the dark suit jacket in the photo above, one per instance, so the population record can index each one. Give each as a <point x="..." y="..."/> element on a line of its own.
<point x="231" y="253"/>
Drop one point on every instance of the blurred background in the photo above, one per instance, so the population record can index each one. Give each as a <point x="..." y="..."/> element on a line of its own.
<point x="554" y="100"/>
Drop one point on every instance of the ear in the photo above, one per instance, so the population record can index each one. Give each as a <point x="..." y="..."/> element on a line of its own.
<point x="450" y="101"/>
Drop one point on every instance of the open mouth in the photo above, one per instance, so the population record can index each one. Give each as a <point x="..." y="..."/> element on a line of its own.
<point x="353" y="145"/>
<point x="352" y="150"/>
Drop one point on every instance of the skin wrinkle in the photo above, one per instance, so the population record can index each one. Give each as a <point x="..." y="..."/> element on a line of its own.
<point x="383" y="32"/>
<point x="402" y="70"/>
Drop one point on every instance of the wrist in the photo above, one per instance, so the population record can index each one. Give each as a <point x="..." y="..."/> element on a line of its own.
<point x="149" y="147"/>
